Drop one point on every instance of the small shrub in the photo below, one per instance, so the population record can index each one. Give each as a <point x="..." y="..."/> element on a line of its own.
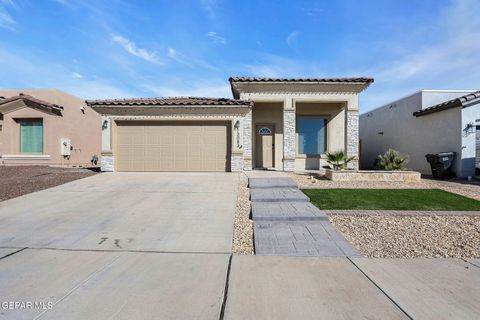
<point x="392" y="160"/>
<point x="338" y="160"/>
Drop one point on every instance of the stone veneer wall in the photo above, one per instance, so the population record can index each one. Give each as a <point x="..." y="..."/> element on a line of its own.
<point x="289" y="140"/>
<point x="236" y="162"/>
<point x="247" y="141"/>
<point x="107" y="163"/>
<point x="364" y="175"/>
<point x="352" y="137"/>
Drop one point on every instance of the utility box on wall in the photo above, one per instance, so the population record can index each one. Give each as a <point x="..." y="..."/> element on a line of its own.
<point x="66" y="147"/>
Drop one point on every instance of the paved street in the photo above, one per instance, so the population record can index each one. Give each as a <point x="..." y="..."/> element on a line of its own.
<point x="157" y="246"/>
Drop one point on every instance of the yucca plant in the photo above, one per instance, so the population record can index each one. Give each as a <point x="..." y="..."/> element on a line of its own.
<point x="338" y="159"/>
<point x="392" y="160"/>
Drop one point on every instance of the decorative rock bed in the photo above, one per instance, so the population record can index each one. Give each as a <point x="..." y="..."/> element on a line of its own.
<point x="372" y="175"/>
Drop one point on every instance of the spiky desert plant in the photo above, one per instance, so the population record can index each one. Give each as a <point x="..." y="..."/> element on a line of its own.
<point x="392" y="160"/>
<point x="338" y="159"/>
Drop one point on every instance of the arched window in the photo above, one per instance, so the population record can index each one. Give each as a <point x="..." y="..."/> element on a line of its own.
<point x="264" y="130"/>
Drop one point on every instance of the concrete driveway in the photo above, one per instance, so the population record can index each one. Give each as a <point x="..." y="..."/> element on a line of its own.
<point x="119" y="246"/>
<point x="164" y="212"/>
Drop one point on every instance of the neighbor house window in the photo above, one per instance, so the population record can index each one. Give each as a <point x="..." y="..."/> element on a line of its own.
<point x="31" y="136"/>
<point x="311" y="135"/>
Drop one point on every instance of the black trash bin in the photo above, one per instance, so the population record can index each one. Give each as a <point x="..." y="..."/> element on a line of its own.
<point x="441" y="164"/>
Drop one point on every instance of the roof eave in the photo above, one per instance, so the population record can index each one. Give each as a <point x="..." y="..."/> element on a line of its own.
<point x="437" y="109"/>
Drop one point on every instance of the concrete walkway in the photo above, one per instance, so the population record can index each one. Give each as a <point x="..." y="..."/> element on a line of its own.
<point x="286" y="223"/>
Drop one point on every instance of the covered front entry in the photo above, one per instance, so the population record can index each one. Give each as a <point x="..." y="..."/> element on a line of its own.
<point x="173" y="146"/>
<point x="265" y="146"/>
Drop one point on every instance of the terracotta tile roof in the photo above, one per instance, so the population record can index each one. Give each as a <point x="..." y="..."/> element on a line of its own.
<point x="457" y="102"/>
<point x="174" y="101"/>
<point x="28" y="98"/>
<point x="333" y="80"/>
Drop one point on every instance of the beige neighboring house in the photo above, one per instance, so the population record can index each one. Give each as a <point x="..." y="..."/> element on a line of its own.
<point x="47" y="127"/>
<point x="280" y="124"/>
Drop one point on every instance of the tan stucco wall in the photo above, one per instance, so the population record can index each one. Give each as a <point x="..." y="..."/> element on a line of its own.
<point x="83" y="129"/>
<point x="269" y="113"/>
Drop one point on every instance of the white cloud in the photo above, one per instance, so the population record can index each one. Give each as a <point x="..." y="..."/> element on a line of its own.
<point x="457" y="52"/>
<point x="6" y="20"/>
<point x="216" y="38"/>
<point x="200" y="88"/>
<point x="209" y="7"/>
<point x="132" y="48"/>
<point x="189" y="61"/>
<point x="77" y="75"/>
<point x="31" y="72"/>
<point x="449" y="63"/>
<point x="292" y="37"/>
<point x="275" y="66"/>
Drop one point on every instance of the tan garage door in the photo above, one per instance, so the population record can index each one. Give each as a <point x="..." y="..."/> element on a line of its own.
<point x="172" y="146"/>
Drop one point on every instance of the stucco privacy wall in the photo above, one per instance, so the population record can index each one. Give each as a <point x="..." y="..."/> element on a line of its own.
<point x="394" y="126"/>
<point x="239" y="142"/>
<point x="82" y="128"/>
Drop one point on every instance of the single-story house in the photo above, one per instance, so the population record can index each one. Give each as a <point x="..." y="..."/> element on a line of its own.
<point x="428" y="121"/>
<point x="280" y="124"/>
<point x="47" y="127"/>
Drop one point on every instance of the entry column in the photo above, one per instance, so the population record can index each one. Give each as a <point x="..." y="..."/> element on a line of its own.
<point x="288" y="135"/>
<point x="247" y="141"/>
<point x="351" y="133"/>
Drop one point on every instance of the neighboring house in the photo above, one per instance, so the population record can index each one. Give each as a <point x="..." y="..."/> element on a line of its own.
<point x="281" y="124"/>
<point x="47" y="127"/>
<point x="428" y="121"/>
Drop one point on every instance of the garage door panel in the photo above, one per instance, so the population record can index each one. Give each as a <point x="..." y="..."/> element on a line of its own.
<point x="172" y="146"/>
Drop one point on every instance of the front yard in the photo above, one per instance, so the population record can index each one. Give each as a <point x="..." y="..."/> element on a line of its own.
<point x="16" y="181"/>
<point x="417" y="220"/>
<point x="390" y="199"/>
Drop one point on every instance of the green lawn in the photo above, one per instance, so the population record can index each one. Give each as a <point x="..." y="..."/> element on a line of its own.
<point x="390" y="199"/>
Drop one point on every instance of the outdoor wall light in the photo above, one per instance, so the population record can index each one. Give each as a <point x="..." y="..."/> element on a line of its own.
<point x="105" y="124"/>
<point x="236" y="126"/>
<point x="469" y="129"/>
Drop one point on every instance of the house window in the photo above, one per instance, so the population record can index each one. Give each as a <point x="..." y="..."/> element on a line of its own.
<point x="264" y="131"/>
<point x="31" y="136"/>
<point x="311" y="135"/>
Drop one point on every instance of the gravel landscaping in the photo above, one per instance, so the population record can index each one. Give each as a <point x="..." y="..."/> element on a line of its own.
<point x="19" y="180"/>
<point x="389" y="236"/>
<point x="243" y="228"/>
<point x="392" y="234"/>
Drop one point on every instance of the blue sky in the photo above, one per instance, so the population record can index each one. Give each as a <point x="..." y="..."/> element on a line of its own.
<point x="119" y="48"/>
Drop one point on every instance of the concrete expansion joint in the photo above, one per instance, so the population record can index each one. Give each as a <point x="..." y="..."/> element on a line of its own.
<point x="123" y="251"/>
<point x="473" y="264"/>
<point x="12" y="253"/>
<point x="225" y="290"/>
<point x="379" y="288"/>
